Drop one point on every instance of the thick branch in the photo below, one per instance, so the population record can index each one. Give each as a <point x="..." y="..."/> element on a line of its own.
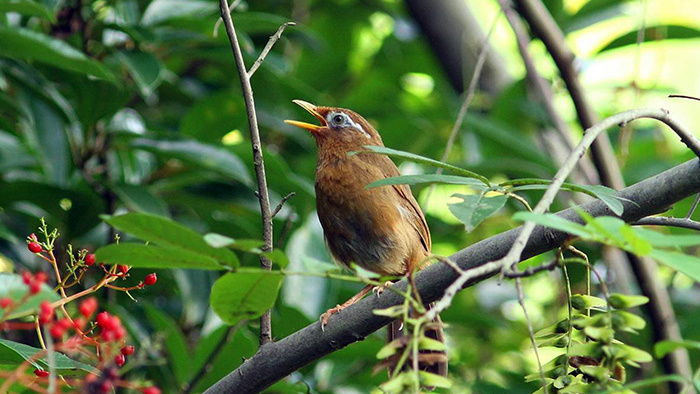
<point x="276" y="360"/>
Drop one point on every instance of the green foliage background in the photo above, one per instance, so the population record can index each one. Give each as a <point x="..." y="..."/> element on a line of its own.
<point x="133" y="105"/>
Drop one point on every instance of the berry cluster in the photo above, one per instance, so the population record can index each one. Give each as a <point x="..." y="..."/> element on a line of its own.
<point x="34" y="281"/>
<point x="73" y="335"/>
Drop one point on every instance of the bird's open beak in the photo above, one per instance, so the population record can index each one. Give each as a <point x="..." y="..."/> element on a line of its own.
<point x="312" y="110"/>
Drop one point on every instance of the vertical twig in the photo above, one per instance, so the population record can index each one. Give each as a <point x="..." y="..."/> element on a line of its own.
<point x="531" y="332"/>
<point x="262" y="192"/>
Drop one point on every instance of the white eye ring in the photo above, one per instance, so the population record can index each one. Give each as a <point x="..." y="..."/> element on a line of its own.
<point x="338" y="119"/>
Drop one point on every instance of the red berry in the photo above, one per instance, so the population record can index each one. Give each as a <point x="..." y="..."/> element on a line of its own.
<point x="65" y="323"/>
<point x="89" y="259"/>
<point x="27" y="277"/>
<point x="151" y="390"/>
<point x="45" y="312"/>
<point x="41" y="277"/>
<point x="150" y="279"/>
<point x="119" y="359"/>
<point x="41" y="373"/>
<point x="32" y="237"/>
<point x="111" y="373"/>
<point x="106" y="387"/>
<point x="34" y="247"/>
<point x="108" y="335"/>
<point x="123" y="268"/>
<point x="5" y="302"/>
<point x="128" y="350"/>
<point x="88" y="306"/>
<point x="119" y="333"/>
<point x="34" y="287"/>
<point x="79" y="323"/>
<point x="57" y="330"/>
<point x="45" y="307"/>
<point x="103" y="319"/>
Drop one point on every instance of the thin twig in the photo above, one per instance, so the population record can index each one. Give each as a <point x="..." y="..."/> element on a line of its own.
<point x="530" y="271"/>
<point x="683" y="96"/>
<point x="279" y="206"/>
<point x="670" y="222"/>
<point x="692" y="208"/>
<point x="273" y="39"/>
<point x="531" y="332"/>
<point x="258" y="161"/>
<point x="233" y="6"/>
<point x="507" y="263"/>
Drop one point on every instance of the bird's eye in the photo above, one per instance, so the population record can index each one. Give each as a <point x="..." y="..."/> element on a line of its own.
<point x="338" y="119"/>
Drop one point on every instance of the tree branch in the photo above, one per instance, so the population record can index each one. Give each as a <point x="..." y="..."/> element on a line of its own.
<point x="670" y="222"/>
<point x="262" y="192"/>
<point x="276" y="360"/>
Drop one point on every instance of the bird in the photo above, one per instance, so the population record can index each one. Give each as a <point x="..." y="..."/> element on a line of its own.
<point x="381" y="229"/>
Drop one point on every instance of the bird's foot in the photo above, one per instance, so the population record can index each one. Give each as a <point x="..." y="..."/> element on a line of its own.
<point x="377" y="290"/>
<point x="327" y="315"/>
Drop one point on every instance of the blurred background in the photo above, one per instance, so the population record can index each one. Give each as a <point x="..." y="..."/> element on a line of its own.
<point x="111" y="106"/>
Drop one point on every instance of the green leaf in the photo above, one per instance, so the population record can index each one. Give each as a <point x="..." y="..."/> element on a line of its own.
<point x="424" y="160"/>
<point x="388" y="350"/>
<point x="681" y="262"/>
<point x="155" y="256"/>
<point x="196" y="153"/>
<point x="475" y="208"/>
<point x="145" y="69"/>
<point x="662" y="348"/>
<point x="582" y="302"/>
<point x="245" y="294"/>
<point x="28" y="8"/>
<point x="428" y="178"/>
<point x="627" y="301"/>
<point x="658" y="239"/>
<point x="166" y="232"/>
<point x="160" y="11"/>
<point x="12" y="286"/>
<point x="633" y="242"/>
<point x="33" y="46"/>
<point x="426" y="343"/>
<point x="653" y="33"/>
<point x="175" y="343"/>
<point x="434" y="380"/>
<point x="140" y="199"/>
<point x="244" y="245"/>
<point x="553" y="221"/>
<point x="605" y="194"/>
<point x="15" y="353"/>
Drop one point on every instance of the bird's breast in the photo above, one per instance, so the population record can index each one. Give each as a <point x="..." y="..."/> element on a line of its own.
<point x="361" y="225"/>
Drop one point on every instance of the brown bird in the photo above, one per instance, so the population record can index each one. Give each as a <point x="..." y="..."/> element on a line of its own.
<point x="381" y="229"/>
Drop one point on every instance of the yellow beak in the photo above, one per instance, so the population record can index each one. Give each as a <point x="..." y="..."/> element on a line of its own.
<point x="312" y="110"/>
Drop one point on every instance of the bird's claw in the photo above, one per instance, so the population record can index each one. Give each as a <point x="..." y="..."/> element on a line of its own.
<point x="327" y="315"/>
<point x="377" y="290"/>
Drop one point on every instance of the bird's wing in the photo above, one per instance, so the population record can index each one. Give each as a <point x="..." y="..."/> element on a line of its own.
<point x="408" y="201"/>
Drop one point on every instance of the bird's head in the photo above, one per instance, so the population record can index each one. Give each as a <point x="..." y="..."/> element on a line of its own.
<point x="339" y="125"/>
